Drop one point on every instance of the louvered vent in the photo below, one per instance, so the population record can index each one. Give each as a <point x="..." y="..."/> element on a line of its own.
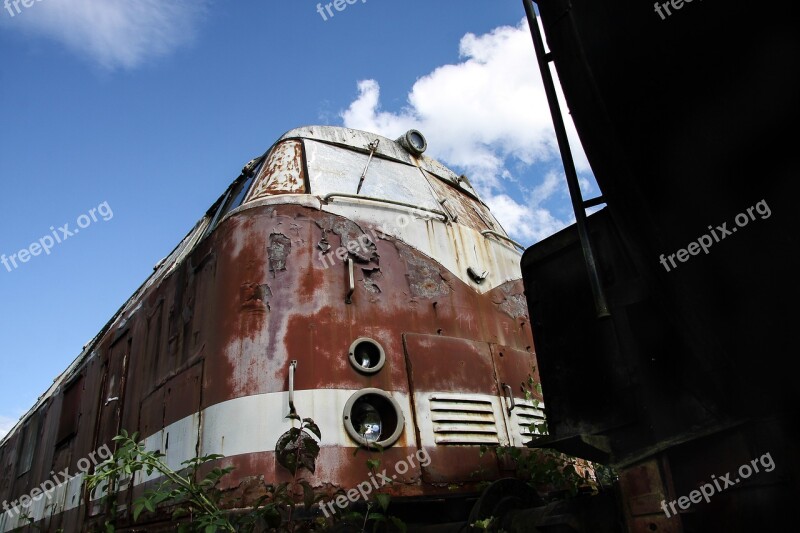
<point x="527" y="414"/>
<point x="462" y="420"/>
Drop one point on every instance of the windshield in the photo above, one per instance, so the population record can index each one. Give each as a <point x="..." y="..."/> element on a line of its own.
<point x="337" y="170"/>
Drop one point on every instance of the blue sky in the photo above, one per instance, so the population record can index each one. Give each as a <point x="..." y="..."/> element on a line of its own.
<point x="145" y="111"/>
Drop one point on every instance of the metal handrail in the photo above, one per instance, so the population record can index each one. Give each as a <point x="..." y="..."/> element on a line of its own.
<point x="327" y="198"/>
<point x="503" y="237"/>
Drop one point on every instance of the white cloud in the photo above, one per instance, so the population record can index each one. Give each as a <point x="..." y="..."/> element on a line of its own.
<point x="114" y="33"/>
<point x="6" y="423"/>
<point x="489" y="116"/>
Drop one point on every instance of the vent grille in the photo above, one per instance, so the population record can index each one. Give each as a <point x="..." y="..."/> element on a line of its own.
<point x="527" y="414"/>
<point x="460" y="420"/>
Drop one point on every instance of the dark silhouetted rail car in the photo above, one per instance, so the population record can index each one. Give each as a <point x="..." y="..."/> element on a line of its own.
<point x="678" y="366"/>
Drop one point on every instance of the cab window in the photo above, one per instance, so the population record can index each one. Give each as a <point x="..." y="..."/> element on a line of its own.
<point x="338" y="170"/>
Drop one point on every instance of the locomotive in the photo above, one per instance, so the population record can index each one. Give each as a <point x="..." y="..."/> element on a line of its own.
<point x="343" y="276"/>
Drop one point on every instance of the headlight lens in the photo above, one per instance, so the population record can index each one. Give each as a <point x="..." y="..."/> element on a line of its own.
<point x="373" y="418"/>
<point x="367" y="422"/>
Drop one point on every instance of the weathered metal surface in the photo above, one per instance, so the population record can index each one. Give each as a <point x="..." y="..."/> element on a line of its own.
<point x="467" y="211"/>
<point x="645" y="486"/>
<point x="333" y="170"/>
<point x="426" y="278"/>
<point x="361" y="140"/>
<point x="455" y="247"/>
<point x="352" y="238"/>
<point x="198" y="358"/>
<point x="282" y="173"/>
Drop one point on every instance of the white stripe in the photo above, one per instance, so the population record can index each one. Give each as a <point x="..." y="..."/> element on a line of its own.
<point x="244" y="425"/>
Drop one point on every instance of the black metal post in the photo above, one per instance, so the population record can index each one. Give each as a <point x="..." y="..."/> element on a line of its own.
<point x="600" y="303"/>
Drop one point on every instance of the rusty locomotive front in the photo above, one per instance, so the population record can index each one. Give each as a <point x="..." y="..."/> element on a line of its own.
<point x="344" y="276"/>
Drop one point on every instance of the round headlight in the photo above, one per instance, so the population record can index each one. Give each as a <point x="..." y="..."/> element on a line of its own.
<point x="366" y="355"/>
<point x="414" y="142"/>
<point x="373" y="418"/>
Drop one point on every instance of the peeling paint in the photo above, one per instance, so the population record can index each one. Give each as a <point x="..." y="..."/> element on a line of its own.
<point x="371" y="278"/>
<point x="511" y="303"/>
<point x="255" y="296"/>
<point x="282" y="173"/>
<point x="279" y="249"/>
<point x="355" y="240"/>
<point x="425" y="278"/>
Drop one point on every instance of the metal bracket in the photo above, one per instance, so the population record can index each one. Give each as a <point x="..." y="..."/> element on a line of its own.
<point x="507" y="387"/>
<point x="450" y="214"/>
<point x="292" y="367"/>
<point x="477" y="278"/>
<point x="372" y="147"/>
<point x="351" y="281"/>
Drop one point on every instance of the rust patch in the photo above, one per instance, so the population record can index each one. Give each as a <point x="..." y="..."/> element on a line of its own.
<point x="255" y="297"/>
<point x="468" y="212"/>
<point x="355" y="240"/>
<point x="371" y="277"/>
<point x="425" y="278"/>
<point x="515" y="306"/>
<point x="279" y="249"/>
<point x="510" y="300"/>
<point x="282" y="174"/>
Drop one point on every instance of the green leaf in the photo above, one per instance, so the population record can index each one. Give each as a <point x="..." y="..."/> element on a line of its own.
<point x="308" y="494"/>
<point x="271" y="516"/>
<point x="137" y="510"/>
<point x="310" y="425"/>
<point x="149" y="505"/>
<point x="281" y="490"/>
<point x="483" y="524"/>
<point x="377" y="520"/>
<point x="399" y="524"/>
<point x="353" y="517"/>
<point x="383" y="500"/>
<point x="297" y="449"/>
